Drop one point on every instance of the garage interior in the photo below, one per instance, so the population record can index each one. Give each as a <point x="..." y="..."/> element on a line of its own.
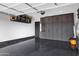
<point x="38" y="29"/>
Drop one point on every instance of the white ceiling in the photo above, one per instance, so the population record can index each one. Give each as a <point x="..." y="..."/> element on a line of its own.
<point x="26" y="9"/>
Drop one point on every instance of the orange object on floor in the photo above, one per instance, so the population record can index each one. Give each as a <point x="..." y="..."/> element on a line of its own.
<point x="73" y="43"/>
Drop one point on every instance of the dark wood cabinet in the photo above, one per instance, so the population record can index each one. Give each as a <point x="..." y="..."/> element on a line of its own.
<point x="59" y="27"/>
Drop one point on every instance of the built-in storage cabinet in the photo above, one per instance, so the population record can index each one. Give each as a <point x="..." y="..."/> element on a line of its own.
<point x="58" y="27"/>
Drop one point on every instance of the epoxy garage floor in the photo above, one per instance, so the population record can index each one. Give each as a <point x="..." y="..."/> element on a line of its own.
<point x="36" y="48"/>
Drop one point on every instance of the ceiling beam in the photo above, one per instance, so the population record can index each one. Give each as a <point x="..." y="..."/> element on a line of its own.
<point x="51" y="7"/>
<point x="33" y="6"/>
<point x="37" y="10"/>
<point x="21" y="9"/>
<point x="11" y="8"/>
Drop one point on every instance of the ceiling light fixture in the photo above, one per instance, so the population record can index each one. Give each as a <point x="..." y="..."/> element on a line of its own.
<point x="55" y="4"/>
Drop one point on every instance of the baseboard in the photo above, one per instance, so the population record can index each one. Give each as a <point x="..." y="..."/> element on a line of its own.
<point x="10" y="42"/>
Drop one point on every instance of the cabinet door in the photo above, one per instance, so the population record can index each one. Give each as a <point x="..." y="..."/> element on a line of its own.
<point x="58" y="27"/>
<point x="67" y="27"/>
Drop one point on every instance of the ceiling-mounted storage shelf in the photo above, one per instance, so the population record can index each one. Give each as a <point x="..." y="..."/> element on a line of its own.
<point x="21" y="18"/>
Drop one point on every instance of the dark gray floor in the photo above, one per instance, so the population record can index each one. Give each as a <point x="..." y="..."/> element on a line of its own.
<point x="36" y="48"/>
